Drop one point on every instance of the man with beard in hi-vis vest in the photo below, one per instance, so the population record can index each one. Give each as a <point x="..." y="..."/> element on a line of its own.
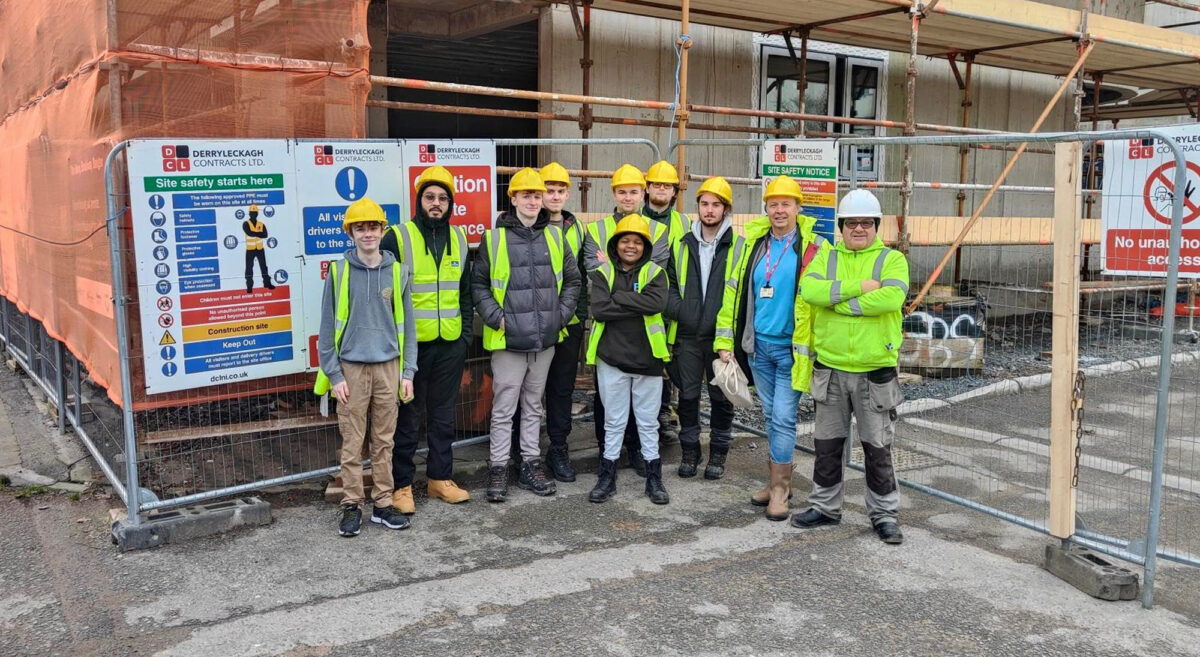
<point x="436" y="253"/>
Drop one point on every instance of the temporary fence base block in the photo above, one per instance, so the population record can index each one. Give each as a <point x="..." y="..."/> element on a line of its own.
<point x="176" y="525"/>
<point x="1091" y="573"/>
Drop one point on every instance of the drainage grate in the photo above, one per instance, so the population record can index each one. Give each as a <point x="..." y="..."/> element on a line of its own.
<point x="902" y="459"/>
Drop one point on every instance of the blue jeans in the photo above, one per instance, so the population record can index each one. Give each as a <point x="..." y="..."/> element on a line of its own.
<point x="772" y="369"/>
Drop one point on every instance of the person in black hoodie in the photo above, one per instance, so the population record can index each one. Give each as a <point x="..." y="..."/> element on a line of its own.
<point x="526" y="285"/>
<point x="628" y="346"/>
<point x="697" y="278"/>
<point x="436" y="252"/>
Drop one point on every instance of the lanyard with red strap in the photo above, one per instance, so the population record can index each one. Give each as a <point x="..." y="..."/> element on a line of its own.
<point x="766" y="291"/>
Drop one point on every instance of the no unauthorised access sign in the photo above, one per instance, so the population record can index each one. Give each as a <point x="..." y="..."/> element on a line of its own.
<point x="1139" y="192"/>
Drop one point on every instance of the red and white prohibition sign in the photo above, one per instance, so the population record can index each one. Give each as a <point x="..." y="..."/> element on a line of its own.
<point x="1159" y="193"/>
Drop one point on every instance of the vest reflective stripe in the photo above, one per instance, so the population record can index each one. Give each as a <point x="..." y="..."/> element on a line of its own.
<point x="681" y="273"/>
<point x="435" y="289"/>
<point x="254" y="243"/>
<point x="341" y="316"/>
<point x="835" y="289"/>
<point x="877" y="272"/>
<point x="496" y="243"/>
<point x="656" y="331"/>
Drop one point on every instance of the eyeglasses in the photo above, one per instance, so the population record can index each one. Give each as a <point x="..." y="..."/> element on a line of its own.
<point x="858" y="223"/>
<point x="440" y="199"/>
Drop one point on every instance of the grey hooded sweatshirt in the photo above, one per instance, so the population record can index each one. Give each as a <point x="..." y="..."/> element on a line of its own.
<point x="370" y="335"/>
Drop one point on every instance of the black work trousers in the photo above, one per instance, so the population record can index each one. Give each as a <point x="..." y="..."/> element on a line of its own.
<point x="440" y="366"/>
<point x="689" y="368"/>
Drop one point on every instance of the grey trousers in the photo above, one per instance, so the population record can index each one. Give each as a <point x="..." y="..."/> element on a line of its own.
<point x="871" y="397"/>
<point x="622" y="394"/>
<point x="518" y="378"/>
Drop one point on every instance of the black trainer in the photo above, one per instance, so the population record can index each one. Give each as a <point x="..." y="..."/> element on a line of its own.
<point x="351" y="523"/>
<point x="389" y="517"/>
<point x="716" y="462"/>
<point x="689" y="459"/>
<point x="889" y="532"/>
<point x="654" y="484"/>
<point x="606" y="481"/>
<point x="813" y="518"/>
<point x="560" y="463"/>
<point x="534" y="479"/>
<point x="497" y="490"/>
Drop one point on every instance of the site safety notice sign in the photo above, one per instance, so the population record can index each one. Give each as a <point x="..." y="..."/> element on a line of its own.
<point x="814" y="164"/>
<point x="1139" y="189"/>
<point x="234" y="239"/>
<point x="217" y="251"/>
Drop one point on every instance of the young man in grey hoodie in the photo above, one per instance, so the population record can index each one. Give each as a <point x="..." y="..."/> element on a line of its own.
<point x="367" y="351"/>
<point x="697" y="286"/>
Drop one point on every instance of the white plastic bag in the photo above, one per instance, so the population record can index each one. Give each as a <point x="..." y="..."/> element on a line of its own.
<point x="730" y="379"/>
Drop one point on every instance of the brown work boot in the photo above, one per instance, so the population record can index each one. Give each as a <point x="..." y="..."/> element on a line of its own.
<point x="402" y="499"/>
<point x="447" y="491"/>
<point x="781" y="491"/>
<point x="763" y="496"/>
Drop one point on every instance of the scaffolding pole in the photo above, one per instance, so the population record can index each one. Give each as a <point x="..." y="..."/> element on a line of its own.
<point x="964" y="84"/>
<point x="684" y="44"/>
<point x="910" y="126"/>
<point x="585" y="111"/>
<point x="1012" y="161"/>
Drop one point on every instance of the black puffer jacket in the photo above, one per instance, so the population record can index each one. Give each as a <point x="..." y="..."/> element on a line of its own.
<point x="533" y="310"/>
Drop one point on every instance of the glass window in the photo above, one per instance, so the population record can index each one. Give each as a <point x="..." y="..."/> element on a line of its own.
<point x="782" y="92"/>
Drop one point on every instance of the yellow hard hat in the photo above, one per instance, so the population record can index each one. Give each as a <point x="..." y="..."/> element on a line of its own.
<point x="632" y="223"/>
<point x="253" y="208"/>
<point x="526" y="180"/>
<point x="361" y="211"/>
<point x="662" y="172"/>
<point x="555" y="173"/>
<point x="628" y="174"/>
<point x="439" y="175"/>
<point x="719" y="187"/>
<point x="784" y="186"/>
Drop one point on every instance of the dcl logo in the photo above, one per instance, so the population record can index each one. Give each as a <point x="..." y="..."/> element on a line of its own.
<point x="175" y="158"/>
<point x="322" y="155"/>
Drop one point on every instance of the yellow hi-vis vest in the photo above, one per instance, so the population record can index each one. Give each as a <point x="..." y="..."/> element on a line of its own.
<point x="656" y="331"/>
<point x="733" y="258"/>
<point x="574" y="239"/>
<point x="342" y="315"/>
<point x="496" y="243"/>
<point x="254" y="243"/>
<point x="435" y="290"/>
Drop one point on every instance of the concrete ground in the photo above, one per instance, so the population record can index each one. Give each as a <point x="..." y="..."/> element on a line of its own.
<point x="706" y="574"/>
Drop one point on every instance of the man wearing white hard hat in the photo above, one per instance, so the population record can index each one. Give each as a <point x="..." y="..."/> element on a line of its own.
<point x="857" y="290"/>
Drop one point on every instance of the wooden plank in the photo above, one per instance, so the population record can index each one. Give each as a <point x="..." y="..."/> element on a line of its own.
<point x="1065" y="337"/>
<point x="241" y="428"/>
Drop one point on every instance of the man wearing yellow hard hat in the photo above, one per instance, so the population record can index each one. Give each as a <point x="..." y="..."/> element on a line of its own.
<point x="629" y="194"/>
<point x="367" y="352"/>
<point x="628" y="346"/>
<point x="256" y="237"/>
<point x="560" y="385"/>
<point x="697" y="273"/>
<point x="766" y="326"/>
<point x="436" y="253"/>
<point x="662" y="191"/>
<point x="526" y="286"/>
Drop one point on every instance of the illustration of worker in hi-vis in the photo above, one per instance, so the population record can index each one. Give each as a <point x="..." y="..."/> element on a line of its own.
<point x="256" y="236"/>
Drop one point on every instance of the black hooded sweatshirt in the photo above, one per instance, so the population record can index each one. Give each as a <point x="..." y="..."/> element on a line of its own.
<point x="624" y="344"/>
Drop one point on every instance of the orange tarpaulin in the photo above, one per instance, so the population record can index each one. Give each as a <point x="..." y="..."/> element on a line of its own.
<point x="83" y="75"/>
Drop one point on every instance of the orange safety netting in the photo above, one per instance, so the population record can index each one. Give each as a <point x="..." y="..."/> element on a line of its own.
<point x="80" y="76"/>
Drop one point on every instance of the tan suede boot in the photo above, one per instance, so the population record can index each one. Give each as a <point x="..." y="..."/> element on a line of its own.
<point x="781" y="491"/>
<point x="402" y="499"/>
<point x="763" y="496"/>
<point x="447" y="491"/>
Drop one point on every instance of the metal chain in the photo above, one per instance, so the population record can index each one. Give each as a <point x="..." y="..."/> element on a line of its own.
<point x="1077" y="405"/>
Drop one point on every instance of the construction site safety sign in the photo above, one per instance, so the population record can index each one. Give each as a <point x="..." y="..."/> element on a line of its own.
<point x="472" y="163"/>
<point x="330" y="175"/>
<point x="814" y="164"/>
<point x="1139" y="189"/>
<point x="218" y="252"/>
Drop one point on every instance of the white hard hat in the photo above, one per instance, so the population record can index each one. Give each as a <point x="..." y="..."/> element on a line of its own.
<point x="859" y="203"/>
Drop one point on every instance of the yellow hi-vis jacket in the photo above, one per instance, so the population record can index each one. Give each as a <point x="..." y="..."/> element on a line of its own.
<point x="857" y="332"/>
<point x="736" y="318"/>
<point x="435" y="290"/>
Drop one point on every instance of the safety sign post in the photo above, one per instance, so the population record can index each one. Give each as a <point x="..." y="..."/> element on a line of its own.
<point x="814" y="164"/>
<point x="472" y="163"/>
<point x="1139" y="190"/>
<point x="216" y="253"/>
<point x="330" y="175"/>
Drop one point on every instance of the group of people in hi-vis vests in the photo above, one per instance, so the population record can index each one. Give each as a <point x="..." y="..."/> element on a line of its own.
<point x="665" y="296"/>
